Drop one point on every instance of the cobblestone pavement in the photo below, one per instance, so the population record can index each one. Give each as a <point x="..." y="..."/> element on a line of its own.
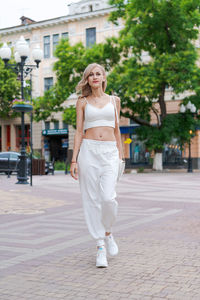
<point x="46" y="252"/>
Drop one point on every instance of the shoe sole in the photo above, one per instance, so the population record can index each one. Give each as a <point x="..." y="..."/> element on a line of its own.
<point x="102" y="266"/>
<point x="113" y="254"/>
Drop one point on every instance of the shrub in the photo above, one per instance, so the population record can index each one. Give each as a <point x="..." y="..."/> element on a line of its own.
<point x="140" y="170"/>
<point x="59" y="166"/>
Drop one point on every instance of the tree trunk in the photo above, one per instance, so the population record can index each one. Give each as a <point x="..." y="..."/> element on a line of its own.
<point x="157" y="162"/>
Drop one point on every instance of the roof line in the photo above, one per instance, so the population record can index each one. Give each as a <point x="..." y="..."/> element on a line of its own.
<point x="66" y="18"/>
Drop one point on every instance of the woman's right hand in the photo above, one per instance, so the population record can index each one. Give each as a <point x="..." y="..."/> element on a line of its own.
<point x="74" y="170"/>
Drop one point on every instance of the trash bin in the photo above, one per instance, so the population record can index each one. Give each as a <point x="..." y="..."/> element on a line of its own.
<point x="38" y="167"/>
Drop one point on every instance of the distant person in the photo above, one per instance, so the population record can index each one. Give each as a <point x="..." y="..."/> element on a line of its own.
<point x="166" y="153"/>
<point x="136" y="152"/>
<point x="95" y="160"/>
<point x="147" y="155"/>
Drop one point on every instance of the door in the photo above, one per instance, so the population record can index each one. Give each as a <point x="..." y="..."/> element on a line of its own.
<point x="55" y="148"/>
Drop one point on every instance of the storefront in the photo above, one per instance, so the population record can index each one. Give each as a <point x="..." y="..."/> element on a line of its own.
<point x="139" y="154"/>
<point x="55" y="144"/>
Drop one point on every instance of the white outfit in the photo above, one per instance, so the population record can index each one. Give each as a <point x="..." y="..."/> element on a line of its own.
<point x="95" y="117"/>
<point x="98" y="169"/>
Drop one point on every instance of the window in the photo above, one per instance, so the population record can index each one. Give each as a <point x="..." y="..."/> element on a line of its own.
<point x="133" y="122"/>
<point x="48" y="83"/>
<point x="4" y="155"/>
<point x="47" y="125"/>
<point x="90" y="36"/>
<point x="55" y="41"/>
<point x="65" y="35"/>
<point x="14" y="156"/>
<point x="47" y="46"/>
<point x="56" y="124"/>
<point x="65" y="125"/>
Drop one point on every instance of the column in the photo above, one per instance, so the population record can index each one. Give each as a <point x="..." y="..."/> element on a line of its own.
<point x="3" y="137"/>
<point x="13" y="137"/>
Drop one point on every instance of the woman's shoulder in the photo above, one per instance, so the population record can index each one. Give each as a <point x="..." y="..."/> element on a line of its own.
<point x="116" y="98"/>
<point x="81" y="101"/>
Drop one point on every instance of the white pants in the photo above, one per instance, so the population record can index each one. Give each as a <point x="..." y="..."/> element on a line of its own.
<point x="98" y="168"/>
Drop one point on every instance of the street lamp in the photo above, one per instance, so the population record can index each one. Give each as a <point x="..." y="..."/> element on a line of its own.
<point x="190" y="108"/>
<point x="22" y="52"/>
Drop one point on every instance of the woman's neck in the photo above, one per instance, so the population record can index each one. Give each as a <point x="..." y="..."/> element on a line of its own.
<point x="97" y="93"/>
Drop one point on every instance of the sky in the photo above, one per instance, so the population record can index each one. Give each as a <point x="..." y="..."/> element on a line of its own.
<point x="37" y="10"/>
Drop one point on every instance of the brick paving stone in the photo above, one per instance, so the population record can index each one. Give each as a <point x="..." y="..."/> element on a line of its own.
<point x="47" y="254"/>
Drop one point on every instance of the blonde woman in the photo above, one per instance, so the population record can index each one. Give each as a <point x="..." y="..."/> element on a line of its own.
<point x="95" y="160"/>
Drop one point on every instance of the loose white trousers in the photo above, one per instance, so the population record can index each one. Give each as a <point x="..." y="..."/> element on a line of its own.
<point x="98" y="163"/>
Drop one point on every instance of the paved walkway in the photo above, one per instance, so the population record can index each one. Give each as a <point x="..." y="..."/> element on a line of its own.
<point x="46" y="252"/>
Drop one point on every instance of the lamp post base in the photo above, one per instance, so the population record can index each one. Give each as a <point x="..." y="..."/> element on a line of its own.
<point x="22" y="181"/>
<point x="190" y="170"/>
<point x="22" y="169"/>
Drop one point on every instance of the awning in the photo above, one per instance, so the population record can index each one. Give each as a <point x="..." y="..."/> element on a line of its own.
<point x="128" y="129"/>
<point x="54" y="132"/>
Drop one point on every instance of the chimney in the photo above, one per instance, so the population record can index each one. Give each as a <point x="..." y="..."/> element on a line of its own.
<point x="26" y="21"/>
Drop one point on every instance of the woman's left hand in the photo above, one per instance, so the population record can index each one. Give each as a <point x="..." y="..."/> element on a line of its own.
<point x="74" y="170"/>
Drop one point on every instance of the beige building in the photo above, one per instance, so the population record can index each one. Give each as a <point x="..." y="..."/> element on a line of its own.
<point x="87" y="21"/>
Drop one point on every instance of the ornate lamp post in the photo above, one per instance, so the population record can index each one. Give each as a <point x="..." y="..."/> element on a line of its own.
<point x="189" y="108"/>
<point x="23" y="69"/>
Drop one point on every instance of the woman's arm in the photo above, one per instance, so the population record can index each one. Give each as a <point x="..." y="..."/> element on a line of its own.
<point x="117" y="130"/>
<point x="78" y="136"/>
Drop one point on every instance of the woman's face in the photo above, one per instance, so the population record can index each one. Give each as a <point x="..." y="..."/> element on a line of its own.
<point x="96" y="78"/>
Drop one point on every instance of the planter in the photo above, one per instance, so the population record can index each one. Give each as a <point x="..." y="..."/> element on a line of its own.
<point x="22" y="107"/>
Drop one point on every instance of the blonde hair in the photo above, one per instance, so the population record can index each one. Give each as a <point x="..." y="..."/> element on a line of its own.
<point x="83" y="88"/>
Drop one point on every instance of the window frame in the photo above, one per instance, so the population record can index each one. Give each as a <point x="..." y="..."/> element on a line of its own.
<point x="65" y="35"/>
<point x="47" y="46"/>
<point x="88" y="38"/>
<point x="47" y="86"/>
<point x="55" y="42"/>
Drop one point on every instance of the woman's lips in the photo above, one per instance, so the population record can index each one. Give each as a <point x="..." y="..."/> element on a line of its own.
<point x="95" y="81"/>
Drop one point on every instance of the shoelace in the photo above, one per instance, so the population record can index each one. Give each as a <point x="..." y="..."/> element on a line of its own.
<point x="101" y="251"/>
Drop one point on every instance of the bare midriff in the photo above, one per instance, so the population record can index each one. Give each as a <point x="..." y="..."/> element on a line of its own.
<point x="102" y="133"/>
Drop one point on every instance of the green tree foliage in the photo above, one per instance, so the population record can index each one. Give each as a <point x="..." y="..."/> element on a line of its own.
<point x="165" y="30"/>
<point x="69" y="116"/>
<point x="9" y="90"/>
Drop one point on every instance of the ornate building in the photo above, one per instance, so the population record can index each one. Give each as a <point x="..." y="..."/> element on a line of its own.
<point x="87" y="21"/>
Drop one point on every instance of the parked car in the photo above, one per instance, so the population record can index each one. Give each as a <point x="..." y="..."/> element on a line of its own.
<point x="9" y="162"/>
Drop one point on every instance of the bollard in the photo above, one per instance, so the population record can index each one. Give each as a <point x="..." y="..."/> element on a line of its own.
<point x="8" y="167"/>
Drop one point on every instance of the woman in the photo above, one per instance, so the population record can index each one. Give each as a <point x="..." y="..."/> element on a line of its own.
<point x="96" y="164"/>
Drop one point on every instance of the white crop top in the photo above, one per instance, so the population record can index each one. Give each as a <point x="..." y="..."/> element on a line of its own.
<point x="95" y="117"/>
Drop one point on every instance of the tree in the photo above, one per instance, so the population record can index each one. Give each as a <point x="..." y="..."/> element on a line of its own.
<point x="69" y="116"/>
<point x="165" y="31"/>
<point x="9" y="90"/>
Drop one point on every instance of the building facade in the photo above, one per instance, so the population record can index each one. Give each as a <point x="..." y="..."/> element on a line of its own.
<point x="87" y="22"/>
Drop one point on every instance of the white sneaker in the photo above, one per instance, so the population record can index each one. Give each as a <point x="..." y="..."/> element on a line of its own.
<point x="101" y="260"/>
<point x="111" y="245"/>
